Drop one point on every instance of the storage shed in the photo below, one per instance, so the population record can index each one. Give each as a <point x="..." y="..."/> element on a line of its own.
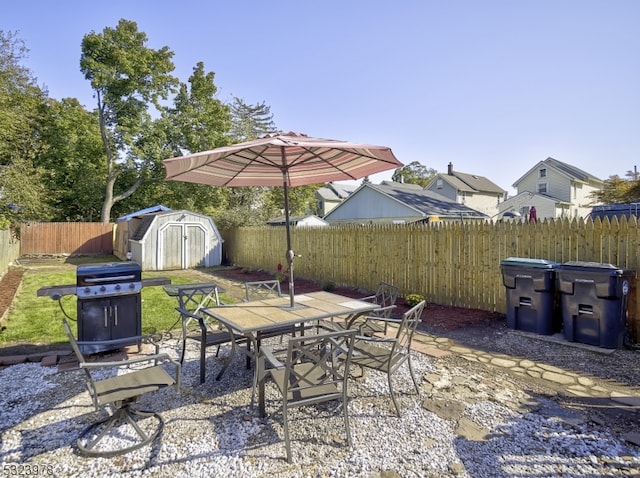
<point x="169" y="240"/>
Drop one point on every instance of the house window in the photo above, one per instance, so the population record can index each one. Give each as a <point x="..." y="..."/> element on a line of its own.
<point x="542" y="173"/>
<point x="439" y="184"/>
<point x="542" y="188"/>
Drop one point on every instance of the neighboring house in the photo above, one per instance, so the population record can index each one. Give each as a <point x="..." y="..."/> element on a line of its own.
<point x="299" y="221"/>
<point x="330" y="195"/>
<point x="519" y="207"/>
<point x="471" y="190"/>
<point x="555" y="189"/>
<point x="397" y="203"/>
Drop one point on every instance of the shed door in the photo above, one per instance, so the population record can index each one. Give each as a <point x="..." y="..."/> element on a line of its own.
<point x="182" y="246"/>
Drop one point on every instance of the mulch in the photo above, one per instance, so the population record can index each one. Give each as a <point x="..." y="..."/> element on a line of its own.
<point x="436" y="317"/>
<point x="9" y="285"/>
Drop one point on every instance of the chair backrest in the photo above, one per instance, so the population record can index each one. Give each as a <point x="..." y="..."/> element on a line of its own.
<point x="91" y="385"/>
<point x="257" y="290"/>
<point x="408" y="325"/>
<point x="313" y="372"/>
<point x="196" y="297"/>
<point x="386" y="294"/>
<point x="74" y="344"/>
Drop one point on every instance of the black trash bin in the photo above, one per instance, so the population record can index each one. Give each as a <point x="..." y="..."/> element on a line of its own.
<point x="593" y="299"/>
<point x="531" y="295"/>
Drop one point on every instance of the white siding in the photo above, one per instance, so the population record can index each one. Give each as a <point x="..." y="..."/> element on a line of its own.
<point x="447" y="190"/>
<point x="484" y="203"/>
<point x="367" y="206"/>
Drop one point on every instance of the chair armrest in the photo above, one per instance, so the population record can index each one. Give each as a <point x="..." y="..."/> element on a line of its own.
<point x="374" y="313"/>
<point x="123" y="341"/>
<point x="361" y="318"/>
<point x="267" y="353"/>
<point x="163" y="357"/>
<point x="366" y="338"/>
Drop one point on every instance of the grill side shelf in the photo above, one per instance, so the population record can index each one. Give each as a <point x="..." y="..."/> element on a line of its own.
<point x="50" y="291"/>
<point x="155" y="281"/>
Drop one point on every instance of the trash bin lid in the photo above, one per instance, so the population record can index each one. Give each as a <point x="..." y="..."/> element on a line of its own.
<point x="526" y="262"/>
<point x="596" y="267"/>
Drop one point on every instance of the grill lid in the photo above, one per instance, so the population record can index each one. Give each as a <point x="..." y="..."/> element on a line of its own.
<point x="108" y="279"/>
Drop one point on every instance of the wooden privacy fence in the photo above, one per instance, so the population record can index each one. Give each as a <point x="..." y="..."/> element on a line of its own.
<point x="455" y="264"/>
<point x="9" y="250"/>
<point x="66" y="238"/>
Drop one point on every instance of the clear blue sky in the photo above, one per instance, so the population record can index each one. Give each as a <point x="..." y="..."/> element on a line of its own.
<point x="490" y="86"/>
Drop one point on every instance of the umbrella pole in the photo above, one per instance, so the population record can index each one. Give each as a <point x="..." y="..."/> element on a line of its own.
<point x="285" y="183"/>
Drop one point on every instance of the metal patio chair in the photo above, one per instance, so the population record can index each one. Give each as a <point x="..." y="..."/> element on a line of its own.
<point x="132" y="378"/>
<point x="198" y="326"/>
<point x="192" y="298"/>
<point x="311" y="373"/>
<point x="257" y="290"/>
<point x="387" y="355"/>
<point x="385" y="296"/>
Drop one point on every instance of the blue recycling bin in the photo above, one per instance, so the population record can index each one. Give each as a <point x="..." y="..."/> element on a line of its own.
<point x="593" y="299"/>
<point x="531" y="295"/>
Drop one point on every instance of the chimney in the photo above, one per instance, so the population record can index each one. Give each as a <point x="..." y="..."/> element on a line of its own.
<point x="450" y="169"/>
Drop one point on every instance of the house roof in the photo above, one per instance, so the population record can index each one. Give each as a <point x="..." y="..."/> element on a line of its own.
<point x="293" y="220"/>
<point x="573" y="173"/>
<point x="428" y="203"/>
<point x="335" y="192"/>
<point x="528" y="197"/>
<point x="468" y="182"/>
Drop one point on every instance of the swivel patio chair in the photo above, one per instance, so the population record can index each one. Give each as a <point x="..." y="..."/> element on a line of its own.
<point x="130" y="380"/>
<point x="387" y="355"/>
<point x="310" y="374"/>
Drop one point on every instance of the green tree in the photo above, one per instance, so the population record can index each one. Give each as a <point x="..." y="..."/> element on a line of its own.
<point x="302" y="200"/>
<point x="242" y="206"/>
<point x="128" y="79"/>
<point x="414" y="173"/>
<point x="73" y="161"/>
<point x="197" y="121"/>
<point x="22" y="114"/>
<point x="618" y="190"/>
<point x="250" y="121"/>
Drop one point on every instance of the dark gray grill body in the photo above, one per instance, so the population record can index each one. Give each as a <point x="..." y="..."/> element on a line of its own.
<point x="109" y="303"/>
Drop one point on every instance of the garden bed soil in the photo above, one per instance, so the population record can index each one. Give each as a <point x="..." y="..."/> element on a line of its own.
<point x="435" y="317"/>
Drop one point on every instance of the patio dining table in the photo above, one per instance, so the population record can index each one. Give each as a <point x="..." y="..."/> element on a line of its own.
<point x="251" y="319"/>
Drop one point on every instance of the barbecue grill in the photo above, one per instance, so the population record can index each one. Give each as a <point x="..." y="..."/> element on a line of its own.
<point x="109" y="302"/>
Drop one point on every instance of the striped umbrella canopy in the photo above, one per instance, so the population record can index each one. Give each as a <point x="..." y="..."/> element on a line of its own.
<point x="282" y="159"/>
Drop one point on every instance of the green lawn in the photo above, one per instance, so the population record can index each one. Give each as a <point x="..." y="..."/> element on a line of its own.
<point x="37" y="320"/>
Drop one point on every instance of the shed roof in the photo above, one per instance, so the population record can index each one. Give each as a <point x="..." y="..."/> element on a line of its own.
<point x="142" y="212"/>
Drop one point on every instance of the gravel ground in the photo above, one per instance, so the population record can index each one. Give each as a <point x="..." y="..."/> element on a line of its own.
<point x="500" y="429"/>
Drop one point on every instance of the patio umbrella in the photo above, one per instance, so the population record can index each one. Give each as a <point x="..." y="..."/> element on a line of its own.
<point x="282" y="159"/>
